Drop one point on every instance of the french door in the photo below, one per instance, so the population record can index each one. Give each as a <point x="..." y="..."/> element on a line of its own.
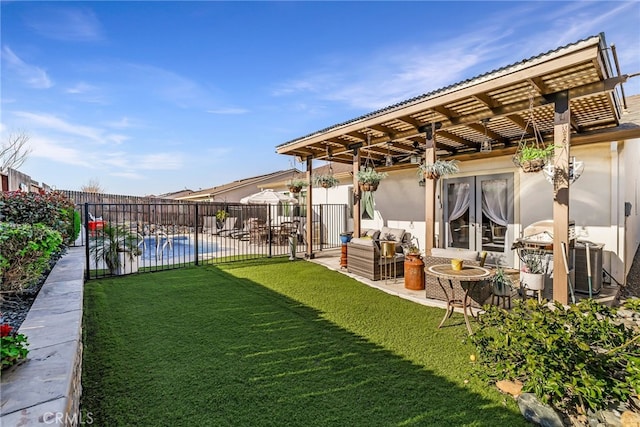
<point x="478" y="215"/>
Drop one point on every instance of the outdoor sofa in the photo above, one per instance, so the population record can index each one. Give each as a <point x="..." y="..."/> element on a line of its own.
<point x="364" y="253"/>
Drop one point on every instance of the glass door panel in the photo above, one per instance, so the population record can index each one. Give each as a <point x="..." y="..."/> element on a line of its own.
<point x="478" y="215"/>
<point x="459" y="215"/>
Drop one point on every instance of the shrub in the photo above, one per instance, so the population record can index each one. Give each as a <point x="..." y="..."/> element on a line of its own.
<point x="75" y="226"/>
<point x="24" y="253"/>
<point x="571" y="358"/>
<point x="13" y="346"/>
<point x="52" y="209"/>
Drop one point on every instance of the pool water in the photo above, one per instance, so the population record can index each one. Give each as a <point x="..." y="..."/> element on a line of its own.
<point x="169" y="248"/>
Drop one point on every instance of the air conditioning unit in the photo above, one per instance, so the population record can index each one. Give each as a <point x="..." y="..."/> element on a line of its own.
<point x="582" y="278"/>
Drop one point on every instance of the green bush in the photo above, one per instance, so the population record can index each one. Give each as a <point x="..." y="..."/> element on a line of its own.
<point x="52" y="209"/>
<point x="572" y="358"/>
<point x="25" y="251"/>
<point x="74" y="226"/>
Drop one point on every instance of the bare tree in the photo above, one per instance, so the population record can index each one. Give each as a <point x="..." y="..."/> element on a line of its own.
<point x="92" y="186"/>
<point x="14" y="150"/>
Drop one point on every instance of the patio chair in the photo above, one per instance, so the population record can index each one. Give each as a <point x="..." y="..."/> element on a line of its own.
<point x="228" y="226"/>
<point x="258" y="230"/>
<point x="285" y="230"/>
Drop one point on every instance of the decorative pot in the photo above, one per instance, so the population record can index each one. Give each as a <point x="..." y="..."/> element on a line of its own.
<point x="388" y="249"/>
<point x="532" y="281"/>
<point x="432" y="175"/>
<point x="456" y="264"/>
<point x="501" y="289"/>
<point x="365" y="186"/>
<point x="127" y="265"/>
<point x="345" y="237"/>
<point x="414" y="272"/>
<point x="534" y="165"/>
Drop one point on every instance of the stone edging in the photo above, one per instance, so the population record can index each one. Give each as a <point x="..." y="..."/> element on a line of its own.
<point x="45" y="389"/>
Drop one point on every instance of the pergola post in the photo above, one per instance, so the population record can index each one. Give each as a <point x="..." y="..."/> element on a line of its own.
<point x="430" y="194"/>
<point x="356" y="194"/>
<point x="561" y="141"/>
<point x="309" y="227"/>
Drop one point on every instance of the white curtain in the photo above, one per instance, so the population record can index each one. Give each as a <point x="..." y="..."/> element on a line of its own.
<point x="459" y="196"/>
<point x="494" y="201"/>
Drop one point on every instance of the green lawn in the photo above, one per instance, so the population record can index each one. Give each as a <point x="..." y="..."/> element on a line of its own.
<point x="275" y="343"/>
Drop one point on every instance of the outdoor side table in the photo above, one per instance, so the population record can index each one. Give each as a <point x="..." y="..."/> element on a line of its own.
<point x="389" y="268"/>
<point x="469" y="277"/>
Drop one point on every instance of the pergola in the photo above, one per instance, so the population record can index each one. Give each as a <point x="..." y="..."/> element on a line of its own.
<point x="571" y="92"/>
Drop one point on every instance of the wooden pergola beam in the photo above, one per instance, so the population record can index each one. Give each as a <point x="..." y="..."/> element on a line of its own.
<point x="561" y="185"/>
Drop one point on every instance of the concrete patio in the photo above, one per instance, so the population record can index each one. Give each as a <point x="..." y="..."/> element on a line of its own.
<point x="331" y="260"/>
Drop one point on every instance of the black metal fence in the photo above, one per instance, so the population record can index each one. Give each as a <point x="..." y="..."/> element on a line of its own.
<point x="125" y="238"/>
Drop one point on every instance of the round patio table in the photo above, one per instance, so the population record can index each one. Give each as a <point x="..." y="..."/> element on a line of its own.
<point x="469" y="277"/>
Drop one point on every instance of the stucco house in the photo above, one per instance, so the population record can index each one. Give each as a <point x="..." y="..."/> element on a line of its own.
<point x="571" y="97"/>
<point x="233" y="191"/>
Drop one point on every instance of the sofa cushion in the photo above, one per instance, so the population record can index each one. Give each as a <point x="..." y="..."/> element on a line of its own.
<point x="455" y="253"/>
<point x="394" y="234"/>
<point x="362" y="241"/>
<point x="371" y="232"/>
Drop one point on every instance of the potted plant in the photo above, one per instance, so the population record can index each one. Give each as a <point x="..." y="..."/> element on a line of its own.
<point x="532" y="158"/>
<point x="221" y="215"/>
<point x="296" y="185"/>
<point x="501" y="282"/>
<point x="533" y="269"/>
<point x="325" y="181"/>
<point x="438" y="168"/>
<point x="345" y="237"/>
<point x="369" y="179"/>
<point x="118" y="248"/>
<point x="413" y="251"/>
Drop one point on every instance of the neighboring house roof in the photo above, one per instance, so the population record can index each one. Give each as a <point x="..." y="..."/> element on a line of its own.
<point x="174" y="194"/>
<point x="507" y="97"/>
<point x="252" y="183"/>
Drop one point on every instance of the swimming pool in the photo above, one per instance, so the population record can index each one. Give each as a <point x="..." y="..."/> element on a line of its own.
<point x="174" y="248"/>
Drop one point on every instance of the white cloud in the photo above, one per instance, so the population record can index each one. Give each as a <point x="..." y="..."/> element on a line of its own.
<point x="229" y="110"/>
<point x="31" y="75"/>
<point x="52" y="123"/>
<point x="123" y="123"/>
<point x="128" y="175"/>
<point x="66" y="23"/>
<point x="85" y="92"/>
<point x="160" y="161"/>
<point x="80" y="88"/>
<point x="52" y="150"/>
<point x="48" y="121"/>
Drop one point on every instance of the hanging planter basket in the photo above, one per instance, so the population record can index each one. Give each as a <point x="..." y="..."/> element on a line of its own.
<point x="532" y="156"/>
<point x="531" y="166"/>
<point x="438" y="168"/>
<point x="365" y="186"/>
<point x="432" y="175"/>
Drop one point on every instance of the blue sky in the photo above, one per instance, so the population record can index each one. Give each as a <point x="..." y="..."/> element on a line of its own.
<point x="154" y="97"/>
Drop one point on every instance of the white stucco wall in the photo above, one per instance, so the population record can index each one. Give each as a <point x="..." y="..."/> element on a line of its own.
<point x="611" y="177"/>
<point x="630" y="159"/>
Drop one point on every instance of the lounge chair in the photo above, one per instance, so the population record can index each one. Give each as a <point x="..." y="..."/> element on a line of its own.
<point x="228" y="227"/>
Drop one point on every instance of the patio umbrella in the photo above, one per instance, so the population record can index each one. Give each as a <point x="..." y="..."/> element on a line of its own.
<point x="268" y="197"/>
